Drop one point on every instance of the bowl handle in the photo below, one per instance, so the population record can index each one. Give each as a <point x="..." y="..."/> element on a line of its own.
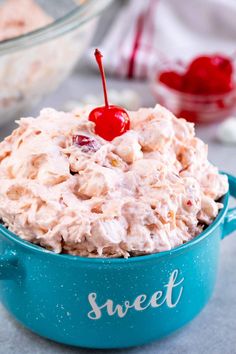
<point x="230" y="219"/>
<point x="8" y="263"/>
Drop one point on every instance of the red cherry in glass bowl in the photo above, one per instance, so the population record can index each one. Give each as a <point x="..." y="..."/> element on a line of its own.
<point x="110" y="121"/>
<point x="202" y="90"/>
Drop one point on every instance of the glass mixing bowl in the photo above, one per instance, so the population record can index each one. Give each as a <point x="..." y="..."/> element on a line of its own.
<point x="34" y="64"/>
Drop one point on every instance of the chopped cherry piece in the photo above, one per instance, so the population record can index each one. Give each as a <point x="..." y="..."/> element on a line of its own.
<point x="82" y="140"/>
<point x="110" y="121"/>
<point x="86" y="143"/>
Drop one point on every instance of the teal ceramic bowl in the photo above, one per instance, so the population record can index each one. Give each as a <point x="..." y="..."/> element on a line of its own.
<point x="111" y="303"/>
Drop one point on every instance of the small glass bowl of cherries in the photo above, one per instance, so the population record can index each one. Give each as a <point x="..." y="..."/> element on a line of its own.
<point x="201" y="90"/>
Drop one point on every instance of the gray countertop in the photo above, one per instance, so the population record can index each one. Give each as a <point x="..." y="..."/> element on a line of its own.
<point x="214" y="330"/>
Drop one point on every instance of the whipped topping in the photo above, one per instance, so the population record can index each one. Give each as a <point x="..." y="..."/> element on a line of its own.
<point x="149" y="190"/>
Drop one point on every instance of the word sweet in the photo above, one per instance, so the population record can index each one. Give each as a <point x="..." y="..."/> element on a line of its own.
<point x="169" y="296"/>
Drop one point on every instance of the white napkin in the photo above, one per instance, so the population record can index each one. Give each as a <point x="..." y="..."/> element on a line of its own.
<point x="147" y="31"/>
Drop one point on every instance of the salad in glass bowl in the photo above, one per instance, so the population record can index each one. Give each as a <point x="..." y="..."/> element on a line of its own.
<point x="40" y="43"/>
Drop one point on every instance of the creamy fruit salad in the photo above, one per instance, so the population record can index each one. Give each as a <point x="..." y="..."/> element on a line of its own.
<point x="67" y="189"/>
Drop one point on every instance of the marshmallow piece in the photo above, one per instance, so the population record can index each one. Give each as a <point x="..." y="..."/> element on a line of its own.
<point x="227" y="131"/>
<point x="71" y="105"/>
<point x="128" y="99"/>
<point x="92" y="99"/>
<point x="131" y="99"/>
<point x="128" y="147"/>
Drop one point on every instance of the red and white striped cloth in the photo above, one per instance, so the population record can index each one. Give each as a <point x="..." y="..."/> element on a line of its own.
<point x="145" y="30"/>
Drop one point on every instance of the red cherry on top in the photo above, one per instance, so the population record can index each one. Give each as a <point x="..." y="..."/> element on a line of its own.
<point x="110" y="121"/>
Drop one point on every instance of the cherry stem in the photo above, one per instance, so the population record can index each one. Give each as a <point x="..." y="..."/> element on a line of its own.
<point x="98" y="56"/>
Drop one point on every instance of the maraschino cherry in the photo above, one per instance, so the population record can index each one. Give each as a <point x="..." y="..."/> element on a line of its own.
<point x="205" y="75"/>
<point x="110" y="121"/>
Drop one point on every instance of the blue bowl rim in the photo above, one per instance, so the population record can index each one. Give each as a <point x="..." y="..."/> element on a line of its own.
<point x="148" y="257"/>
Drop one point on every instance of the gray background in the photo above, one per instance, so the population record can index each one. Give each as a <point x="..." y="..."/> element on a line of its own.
<point x="214" y="330"/>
